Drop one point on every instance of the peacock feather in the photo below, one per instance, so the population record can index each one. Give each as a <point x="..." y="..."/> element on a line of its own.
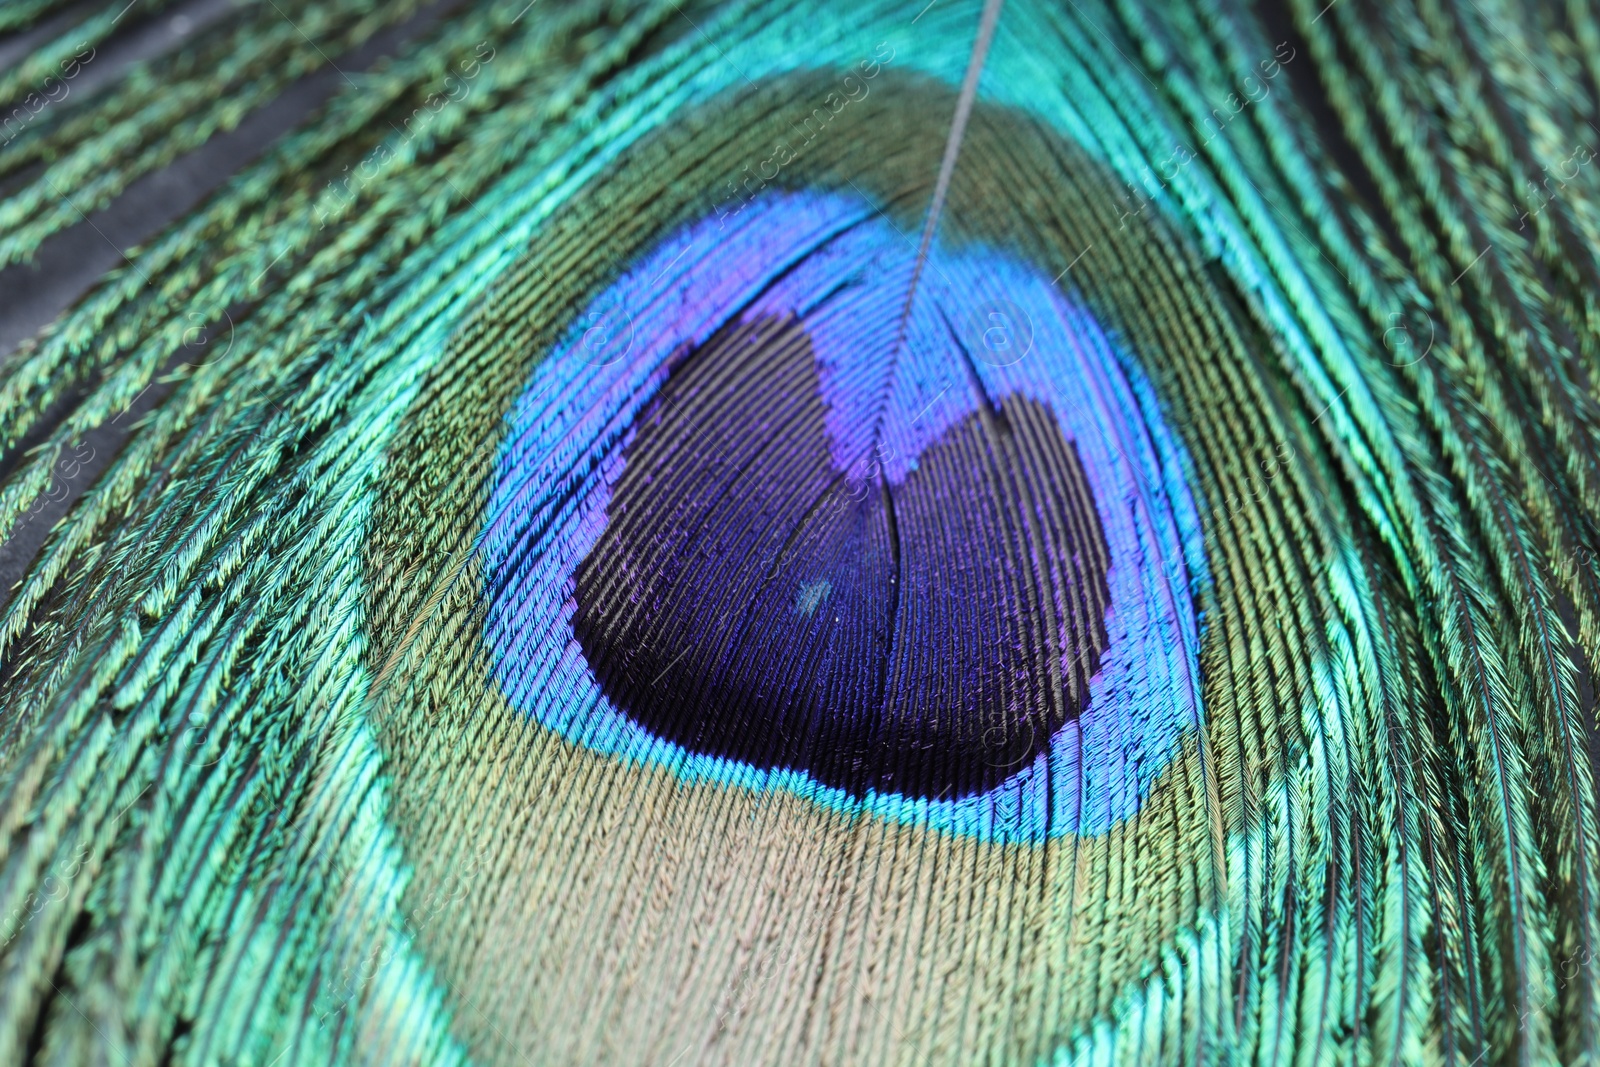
<point x="787" y="532"/>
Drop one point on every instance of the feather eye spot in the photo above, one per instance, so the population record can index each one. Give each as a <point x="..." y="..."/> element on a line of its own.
<point x="792" y="530"/>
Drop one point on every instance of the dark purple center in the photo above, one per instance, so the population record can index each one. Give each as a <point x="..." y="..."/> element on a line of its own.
<point x="749" y="599"/>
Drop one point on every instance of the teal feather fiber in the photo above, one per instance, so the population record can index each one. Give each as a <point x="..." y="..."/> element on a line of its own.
<point x="1197" y="396"/>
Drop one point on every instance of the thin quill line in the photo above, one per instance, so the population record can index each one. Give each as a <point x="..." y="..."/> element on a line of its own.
<point x="952" y="149"/>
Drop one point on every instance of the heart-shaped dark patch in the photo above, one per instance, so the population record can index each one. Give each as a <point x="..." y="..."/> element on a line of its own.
<point x="751" y="599"/>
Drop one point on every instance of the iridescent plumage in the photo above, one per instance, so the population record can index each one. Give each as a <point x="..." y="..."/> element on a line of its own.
<point x="673" y="533"/>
